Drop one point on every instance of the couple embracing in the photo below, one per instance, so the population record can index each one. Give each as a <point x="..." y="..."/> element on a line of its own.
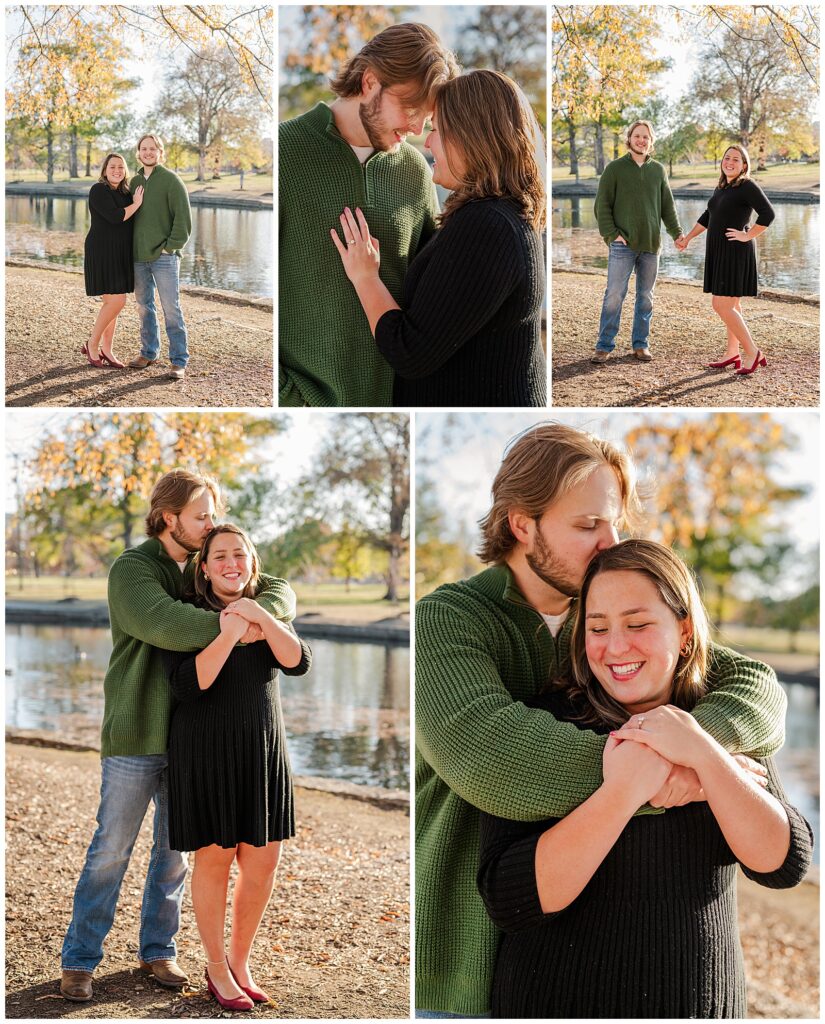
<point x="192" y="722"/>
<point x="384" y="300"/>
<point x="590" y="767"/>
<point x="134" y="244"/>
<point x="632" y="202"/>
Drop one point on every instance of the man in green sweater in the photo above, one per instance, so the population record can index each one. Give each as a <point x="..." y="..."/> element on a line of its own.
<point x="483" y="647"/>
<point x="147" y="615"/>
<point x="353" y="153"/>
<point x="633" y="200"/>
<point x="161" y="231"/>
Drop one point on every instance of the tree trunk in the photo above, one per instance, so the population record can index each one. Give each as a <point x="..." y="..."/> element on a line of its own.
<point x="128" y="524"/>
<point x="598" y="148"/>
<point x="616" y="146"/>
<point x="73" y="152"/>
<point x="396" y="548"/>
<point x="201" y="164"/>
<point x="574" y="155"/>
<point x="88" y="158"/>
<point x="49" y="155"/>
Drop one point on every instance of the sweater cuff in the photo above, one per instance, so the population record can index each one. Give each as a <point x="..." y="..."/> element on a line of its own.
<point x="795" y="866"/>
<point x="183" y="679"/>
<point x="303" y="665"/>
<point x="509" y="889"/>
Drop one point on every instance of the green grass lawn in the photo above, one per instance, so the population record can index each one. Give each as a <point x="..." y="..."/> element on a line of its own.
<point x="769" y="641"/>
<point x="793" y="177"/>
<point x="229" y="184"/>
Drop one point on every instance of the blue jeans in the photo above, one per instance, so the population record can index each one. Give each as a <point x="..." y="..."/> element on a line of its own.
<point x="127" y="786"/>
<point x="163" y="274"/>
<point x="621" y="263"/>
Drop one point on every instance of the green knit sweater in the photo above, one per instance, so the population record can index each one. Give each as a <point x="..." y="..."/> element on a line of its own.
<point x="164" y="221"/>
<point x="327" y="354"/>
<point x="148" y="616"/>
<point x="632" y="201"/>
<point x="480" y="651"/>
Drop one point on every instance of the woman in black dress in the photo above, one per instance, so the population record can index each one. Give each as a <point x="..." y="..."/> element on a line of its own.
<point x="108" y="265"/>
<point x="468" y="332"/>
<point x="730" y="254"/>
<point x="612" y="914"/>
<point x="230" y="782"/>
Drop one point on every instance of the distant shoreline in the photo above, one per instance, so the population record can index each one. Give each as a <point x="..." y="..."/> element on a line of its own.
<point x="197" y="198"/>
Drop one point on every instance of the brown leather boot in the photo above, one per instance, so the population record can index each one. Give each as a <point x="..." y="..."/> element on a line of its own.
<point x="165" y="972"/>
<point x="76" y="986"/>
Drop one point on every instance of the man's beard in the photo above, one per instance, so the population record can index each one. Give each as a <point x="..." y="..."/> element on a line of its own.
<point x="185" y="540"/>
<point x="550" y="569"/>
<point x="373" y="124"/>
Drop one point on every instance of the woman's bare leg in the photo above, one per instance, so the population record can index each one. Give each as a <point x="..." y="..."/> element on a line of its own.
<point x="729" y="310"/>
<point x="253" y="887"/>
<point x="109" y="311"/>
<point x="107" y="339"/>
<point x="210" y="879"/>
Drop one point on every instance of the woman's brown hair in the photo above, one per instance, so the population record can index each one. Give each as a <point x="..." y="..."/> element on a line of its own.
<point x="539" y="466"/>
<point x="678" y="589"/>
<point x="746" y="170"/>
<point x="204" y="595"/>
<point x="485" y="119"/>
<point x="409" y="54"/>
<point x="121" y="185"/>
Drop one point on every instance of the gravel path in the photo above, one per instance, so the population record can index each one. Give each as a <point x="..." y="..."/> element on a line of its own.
<point x="334" y="942"/>
<point x="48" y="317"/>
<point x="686" y="333"/>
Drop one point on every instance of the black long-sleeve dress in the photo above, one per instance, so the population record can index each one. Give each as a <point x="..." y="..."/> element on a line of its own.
<point x="653" y="933"/>
<point x="469" y="330"/>
<point x="108" y="264"/>
<point x="230" y="780"/>
<point x="730" y="266"/>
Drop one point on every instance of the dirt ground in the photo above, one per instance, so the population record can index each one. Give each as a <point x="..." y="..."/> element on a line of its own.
<point x="334" y="943"/>
<point x="686" y="333"/>
<point x="48" y="317"/>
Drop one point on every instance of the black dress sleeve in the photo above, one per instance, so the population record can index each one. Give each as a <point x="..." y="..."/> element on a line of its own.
<point x="760" y="203"/>
<point x="704" y="218"/>
<point x="102" y="202"/>
<point x="800" y="852"/>
<point x="303" y="665"/>
<point x="475" y="264"/>
<point x="182" y="674"/>
<point x="507" y="872"/>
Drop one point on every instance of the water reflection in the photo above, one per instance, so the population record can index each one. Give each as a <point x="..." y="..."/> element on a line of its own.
<point x="348" y="718"/>
<point x="787" y="254"/>
<point x="229" y="249"/>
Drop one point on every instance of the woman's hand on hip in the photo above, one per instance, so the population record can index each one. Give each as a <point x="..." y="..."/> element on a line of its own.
<point x="633" y="770"/>
<point x="735" y="235"/>
<point x="359" y="252"/>
<point x="671" y="732"/>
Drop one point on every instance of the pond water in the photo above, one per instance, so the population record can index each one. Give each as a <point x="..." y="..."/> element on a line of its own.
<point x="348" y="718"/>
<point x="787" y="253"/>
<point x="229" y="249"/>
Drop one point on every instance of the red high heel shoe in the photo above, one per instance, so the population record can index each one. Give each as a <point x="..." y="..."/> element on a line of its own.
<point x="115" y="363"/>
<point x="257" y="995"/>
<point x="720" y="364"/>
<point x="93" y="362"/>
<point x="759" y="361"/>
<point x="240" y="1003"/>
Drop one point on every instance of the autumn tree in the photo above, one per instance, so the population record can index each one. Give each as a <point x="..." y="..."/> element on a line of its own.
<point x="364" y="468"/>
<point x="92" y="477"/>
<point x="717" y="497"/>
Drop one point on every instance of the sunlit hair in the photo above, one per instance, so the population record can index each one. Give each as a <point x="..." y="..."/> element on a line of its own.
<point x="634" y="126"/>
<point x="485" y="119"/>
<point x="155" y="138"/>
<point x="538" y="468"/>
<point x="173" y="492"/>
<point x="204" y="595"/>
<point x="409" y="54"/>
<point x="122" y="186"/>
<point x="745" y="173"/>
<point x="677" y="588"/>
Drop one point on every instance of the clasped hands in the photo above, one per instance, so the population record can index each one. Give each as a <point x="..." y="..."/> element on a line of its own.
<point x="243" y="619"/>
<point x="677" y="743"/>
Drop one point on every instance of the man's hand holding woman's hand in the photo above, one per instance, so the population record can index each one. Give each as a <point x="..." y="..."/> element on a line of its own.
<point x="359" y="252"/>
<point x="233" y="626"/>
<point x="637" y="779"/>
<point x="250" y="615"/>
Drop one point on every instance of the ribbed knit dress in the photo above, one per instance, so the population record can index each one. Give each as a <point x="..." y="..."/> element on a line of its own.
<point x="730" y="266"/>
<point x="229" y="776"/>
<point x="652" y="935"/>
<point x="108" y="266"/>
<point x="469" y="329"/>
